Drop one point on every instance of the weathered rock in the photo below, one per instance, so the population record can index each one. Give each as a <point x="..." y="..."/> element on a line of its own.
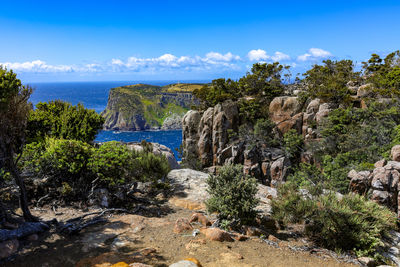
<point x="359" y="181"/>
<point x="184" y="263"/>
<point x="190" y="135"/>
<point x="380" y="163"/>
<point x="324" y="110"/>
<point x="8" y="247"/>
<point x="367" y="261"/>
<point x="201" y="218"/>
<point x="172" y="122"/>
<point x="279" y="171"/>
<point x="100" y="197"/>
<point x="216" y="234"/>
<point x="189" y="185"/>
<point x="285" y="112"/>
<point x="158" y="149"/>
<point x="182" y="225"/>
<point x="205" y="141"/>
<point x="364" y="90"/>
<point x="395" y="153"/>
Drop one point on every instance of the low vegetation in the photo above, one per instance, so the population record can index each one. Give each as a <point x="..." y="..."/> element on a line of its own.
<point x="232" y="195"/>
<point x="348" y="222"/>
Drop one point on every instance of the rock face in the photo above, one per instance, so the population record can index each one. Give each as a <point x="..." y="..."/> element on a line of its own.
<point x="206" y="137"/>
<point x="158" y="149"/>
<point x="285" y="112"/>
<point x="382" y="184"/>
<point x="142" y="106"/>
<point x="172" y="122"/>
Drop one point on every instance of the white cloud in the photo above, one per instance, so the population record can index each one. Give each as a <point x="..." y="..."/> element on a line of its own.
<point x="279" y="56"/>
<point x="314" y="54"/>
<point x="36" y="66"/>
<point x="261" y="55"/>
<point x="257" y="55"/>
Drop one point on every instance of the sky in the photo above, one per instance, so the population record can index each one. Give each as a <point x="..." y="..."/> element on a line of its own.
<point x="46" y="41"/>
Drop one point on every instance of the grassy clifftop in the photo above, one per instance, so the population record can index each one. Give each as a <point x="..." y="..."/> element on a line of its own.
<point x="143" y="106"/>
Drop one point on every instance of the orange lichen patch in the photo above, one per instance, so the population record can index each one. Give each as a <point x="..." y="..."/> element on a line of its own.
<point x="120" y="264"/>
<point x="194" y="260"/>
<point x="187" y="204"/>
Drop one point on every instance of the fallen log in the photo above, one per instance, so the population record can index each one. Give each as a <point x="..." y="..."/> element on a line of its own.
<point x="25" y="229"/>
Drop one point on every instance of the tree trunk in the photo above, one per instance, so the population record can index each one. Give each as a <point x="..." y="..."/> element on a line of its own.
<point x="23" y="199"/>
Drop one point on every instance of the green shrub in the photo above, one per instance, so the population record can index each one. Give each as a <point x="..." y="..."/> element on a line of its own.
<point x="343" y="223"/>
<point x="64" y="162"/>
<point x="293" y="144"/>
<point x="150" y="167"/>
<point x="59" y="119"/>
<point x="232" y="194"/>
<point x="113" y="163"/>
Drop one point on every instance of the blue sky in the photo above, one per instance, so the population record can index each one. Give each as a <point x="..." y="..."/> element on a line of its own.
<point x="187" y="40"/>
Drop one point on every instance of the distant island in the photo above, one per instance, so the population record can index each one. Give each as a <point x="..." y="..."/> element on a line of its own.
<point x="144" y="107"/>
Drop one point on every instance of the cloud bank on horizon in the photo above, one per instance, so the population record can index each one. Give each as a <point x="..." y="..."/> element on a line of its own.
<point x="170" y="62"/>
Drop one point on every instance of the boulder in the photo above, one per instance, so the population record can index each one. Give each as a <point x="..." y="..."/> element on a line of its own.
<point x="323" y="111"/>
<point x="200" y="218"/>
<point x="283" y="108"/>
<point x="182" y="225"/>
<point x="184" y="263"/>
<point x="395" y="153"/>
<point x="359" y="181"/>
<point x="216" y="234"/>
<point x="158" y="149"/>
<point x="364" y="90"/>
<point x="278" y="172"/>
<point x="172" y="122"/>
<point x="205" y="137"/>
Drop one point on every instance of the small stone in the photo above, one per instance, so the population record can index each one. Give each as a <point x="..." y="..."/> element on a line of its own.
<point x="184" y="263"/>
<point x="239" y="237"/>
<point x="182" y="225"/>
<point x="273" y="238"/>
<point x="8" y="247"/>
<point x="201" y="218"/>
<point x="120" y="264"/>
<point x="138" y="264"/>
<point x="367" y="261"/>
<point x="216" y="234"/>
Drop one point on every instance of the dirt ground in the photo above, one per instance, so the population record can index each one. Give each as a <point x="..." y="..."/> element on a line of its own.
<point x="151" y="240"/>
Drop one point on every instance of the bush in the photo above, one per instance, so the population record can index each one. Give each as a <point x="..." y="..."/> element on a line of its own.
<point x="60" y="119"/>
<point x="344" y="223"/>
<point x="113" y="163"/>
<point x="293" y="144"/>
<point x="232" y="195"/>
<point x="63" y="162"/>
<point x="71" y="166"/>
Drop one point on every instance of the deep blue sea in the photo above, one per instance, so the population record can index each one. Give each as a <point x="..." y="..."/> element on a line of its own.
<point x="94" y="95"/>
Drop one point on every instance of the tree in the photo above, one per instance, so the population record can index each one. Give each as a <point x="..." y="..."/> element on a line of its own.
<point x="329" y="81"/>
<point x="14" y="110"/>
<point x="60" y="119"/>
<point x="264" y="80"/>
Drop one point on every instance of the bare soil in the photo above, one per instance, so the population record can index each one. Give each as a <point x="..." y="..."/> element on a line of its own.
<point x="150" y="239"/>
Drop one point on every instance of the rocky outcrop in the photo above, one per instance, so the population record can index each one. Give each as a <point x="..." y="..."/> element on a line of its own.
<point x="285" y="113"/>
<point x="142" y="107"/>
<point x="206" y="134"/>
<point x="158" y="149"/>
<point x="206" y="137"/>
<point x="381" y="185"/>
<point x="172" y="122"/>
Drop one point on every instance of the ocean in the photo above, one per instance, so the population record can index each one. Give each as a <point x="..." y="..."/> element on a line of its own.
<point x="94" y="95"/>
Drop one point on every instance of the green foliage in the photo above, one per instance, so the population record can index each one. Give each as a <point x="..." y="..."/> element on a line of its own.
<point x="329" y="81"/>
<point x="264" y="82"/>
<point x="355" y="138"/>
<point x="60" y="119"/>
<point x="293" y="144"/>
<point x="75" y="164"/>
<point x="384" y="74"/>
<point x="261" y="134"/>
<point x="343" y="223"/>
<point x="232" y="194"/>
<point x="113" y="163"/>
